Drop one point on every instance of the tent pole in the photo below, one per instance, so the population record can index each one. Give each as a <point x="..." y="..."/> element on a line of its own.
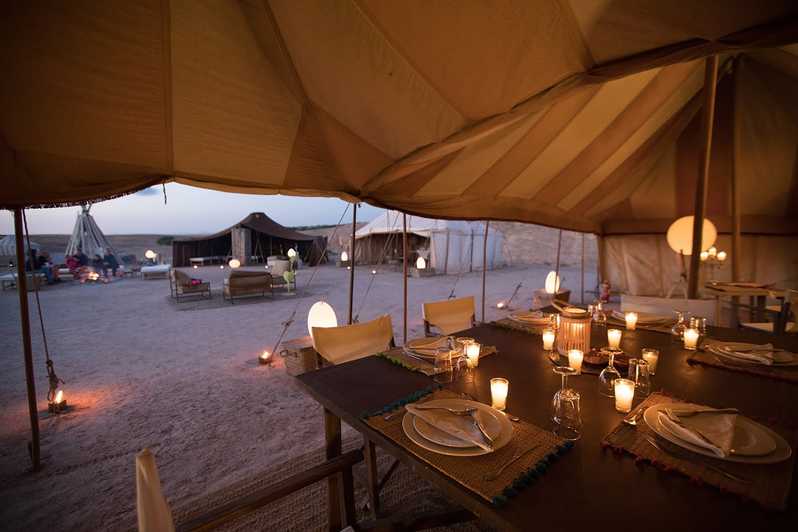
<point x="707" y="120"/>
<point x="352" y="262"/>
<point x="582" y="284"/>
<point x="557" y="265"/>
<point x="735" y="184"/>
<point x="404" y="276"/>
<point x="24" y="318"/>
<point x="484" y="266"/>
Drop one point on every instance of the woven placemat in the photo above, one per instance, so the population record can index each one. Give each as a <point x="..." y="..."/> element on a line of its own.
<point x="783" y="373"/>
<point x="507" y="323"/>
<point x="615" y="322"/>
<point x="469" y="471"/>
<point x="770" y="483"/>
<point x="400" y="358"/>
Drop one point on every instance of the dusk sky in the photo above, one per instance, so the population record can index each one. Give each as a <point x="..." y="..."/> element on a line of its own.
<point x="188" y="210"/>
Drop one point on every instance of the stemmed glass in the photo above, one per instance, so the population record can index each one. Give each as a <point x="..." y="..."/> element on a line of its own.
<point x="599" y="317"/>
<point x="679" y="327"/>
<point x="608" y="376"/>
<point x="565" y="405"/>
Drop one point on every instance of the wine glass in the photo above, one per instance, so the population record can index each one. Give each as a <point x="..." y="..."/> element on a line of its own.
<point x="599" y="317"/>
<point x="565" y="405"/>
<point x="680" y="325"/>
<point x="608" y="376"/>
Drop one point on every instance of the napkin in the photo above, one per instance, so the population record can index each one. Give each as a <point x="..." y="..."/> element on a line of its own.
<point x="643" y="318"/>
<point x="707" y="428"/>
<point x="427" y="346"/>
<point x="758" y="353"/>
<point x="461" y="427"/>
<point x="536" y="317"/>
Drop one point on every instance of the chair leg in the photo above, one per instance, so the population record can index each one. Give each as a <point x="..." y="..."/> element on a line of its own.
<point x="348" y="496"/>
<point x="372" y="482"/>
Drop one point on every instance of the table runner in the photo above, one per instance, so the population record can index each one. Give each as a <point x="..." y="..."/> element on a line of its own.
<point x="770" y="484"/>
<point x="469" y="471"/>
<point x="783" y="373"/>
<point x="400" y="358"/>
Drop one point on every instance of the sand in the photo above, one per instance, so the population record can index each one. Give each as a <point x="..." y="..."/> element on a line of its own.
<point x="144" y="372"/>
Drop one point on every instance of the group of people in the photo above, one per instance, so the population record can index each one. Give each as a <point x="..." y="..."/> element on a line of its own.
<point x="82" y="267"/>
<point x="41" y="263"/>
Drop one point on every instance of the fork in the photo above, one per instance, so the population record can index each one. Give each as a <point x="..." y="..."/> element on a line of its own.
<point x="684" y="456"/>
<point x="490" y="477"/>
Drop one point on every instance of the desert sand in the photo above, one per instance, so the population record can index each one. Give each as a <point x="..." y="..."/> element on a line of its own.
<point x="183" y="380"/>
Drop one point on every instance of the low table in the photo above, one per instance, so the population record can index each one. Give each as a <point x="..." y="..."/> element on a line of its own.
<point x="159" y="271"/>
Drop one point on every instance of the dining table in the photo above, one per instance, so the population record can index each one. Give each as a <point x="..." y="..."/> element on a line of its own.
<point x="590" y="486"/>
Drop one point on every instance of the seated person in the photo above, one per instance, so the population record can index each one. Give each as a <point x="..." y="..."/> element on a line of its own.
<point x="81" y="257"/>
<point x="110" y="262"/>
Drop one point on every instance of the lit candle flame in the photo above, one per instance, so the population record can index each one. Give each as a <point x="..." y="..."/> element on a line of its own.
<point x="59" y="397"/>
<point x="266" y="355"/>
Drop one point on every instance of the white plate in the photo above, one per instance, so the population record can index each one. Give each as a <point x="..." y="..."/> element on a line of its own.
<point x="749" y="437"/>
<point x="492" y="424"/>
<point x="784" y="358"/>
<point x="505" y="435"/>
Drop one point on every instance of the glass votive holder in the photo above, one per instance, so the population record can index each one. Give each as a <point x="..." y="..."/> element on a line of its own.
<point x="614" y="338"/>
<point x="631" y="321"/>
<point x="548" y="339"/>
<point x="499" y="388"/>
<point x="690" y="338"/>
<point x="638" y="372"/>
<point x="624" y="394"/>
<point x="575" y="358"/>
<point x="472" y="354"/>
<point x="651" y="356"/>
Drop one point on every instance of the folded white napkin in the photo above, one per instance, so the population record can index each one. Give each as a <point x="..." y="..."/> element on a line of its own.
<point x="759" y="353"/>
<point x="707" y="428"/>
<point x="461" y="427"/>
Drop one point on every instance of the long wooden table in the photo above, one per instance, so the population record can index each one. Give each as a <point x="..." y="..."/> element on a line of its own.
<point x="589" y="486"/>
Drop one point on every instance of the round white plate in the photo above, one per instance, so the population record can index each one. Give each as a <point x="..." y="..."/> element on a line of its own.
<point x="492" y="424"/>
<point x="750" y="439"/>
<point x="781" y="358"/>
<point x="505" y="435"/>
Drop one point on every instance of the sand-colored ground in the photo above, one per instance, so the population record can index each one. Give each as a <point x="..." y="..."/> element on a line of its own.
<point x="142" y="371"/>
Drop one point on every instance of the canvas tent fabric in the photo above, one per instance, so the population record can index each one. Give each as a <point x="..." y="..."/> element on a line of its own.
<point x="449" y="246"/>
<point x="87" y="236"/>
<point x="546" y="111"/>
<point x="267" y="238"/>
<point x="8" y="246"/>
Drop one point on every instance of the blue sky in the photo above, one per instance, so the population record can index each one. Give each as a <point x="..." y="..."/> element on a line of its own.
<point x="188" y="210"/>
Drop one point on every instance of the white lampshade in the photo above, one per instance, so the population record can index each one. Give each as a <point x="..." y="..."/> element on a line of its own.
<point x="150" y="254"/>
<point x="680" y="235"/>
<point x="234" y="263"/>
<point x="721" y="256"/>
<point x="552" y="284"/>
<point x="321" y="314"/>
<point x="344" y="256"/>
<point x="291" y="253"/>
<point x="421" y="264"/>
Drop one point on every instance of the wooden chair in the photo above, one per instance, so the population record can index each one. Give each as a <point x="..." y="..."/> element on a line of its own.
<point x="785" y="317"/>
<point x="449" y="316"/>
<point x="181" y="286"/>
<point x="350" y="342"/>
<point x="154" y="514"/>
<point x="242" y="283"/>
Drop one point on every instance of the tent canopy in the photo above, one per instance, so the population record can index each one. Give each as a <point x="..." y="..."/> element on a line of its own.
<point x="548" y="111"/>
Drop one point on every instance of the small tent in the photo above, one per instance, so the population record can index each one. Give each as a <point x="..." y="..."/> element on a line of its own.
<point x="450" y="246"/>
<point x="8" y="246"/>
<point x="87" y="235"/>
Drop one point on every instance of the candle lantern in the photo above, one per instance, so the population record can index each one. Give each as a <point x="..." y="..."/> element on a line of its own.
<point x="265" y="357"/>
<point x="573" y="332"/>
<point x="57" y="403"/>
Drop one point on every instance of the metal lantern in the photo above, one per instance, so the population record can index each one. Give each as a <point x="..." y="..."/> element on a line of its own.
<point x="574" y="331"/>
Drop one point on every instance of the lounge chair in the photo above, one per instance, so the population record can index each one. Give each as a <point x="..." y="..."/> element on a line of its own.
<point x="449" y="316"/>
<point x="157" y="271"/>
<point x="182" y="286"/>
<point x="350" y="342"/>
<point x="247" y="283"/>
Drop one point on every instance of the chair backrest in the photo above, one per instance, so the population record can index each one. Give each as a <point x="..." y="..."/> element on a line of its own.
<point x="450" y="315"/>
<point x="249" y="279"/>
<point x="181" y="278"/>
<point x="154" y="514"/>
<point x="350" y="342"/>
<point x="706" y="308"/>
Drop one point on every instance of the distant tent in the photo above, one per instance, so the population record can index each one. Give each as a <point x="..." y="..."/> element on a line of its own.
<point x="87" y="236"/>
<point x="8" y="246"/>
<point x="450" y="246"/>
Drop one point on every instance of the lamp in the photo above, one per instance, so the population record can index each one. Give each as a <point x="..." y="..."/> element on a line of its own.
<point x="150" y="254"/>
<point x="265" y="358"/>
<point x="234" y="263"/>
<point x="680" y="240"/>
<point x="321" y="314"/>
<point x="421" y="263"/>
<point x="291" y="253"/>
<point x="58" y="403"/>
<point x="552" y="284"/>
<point x="574" y="331"/>
<point x="344" y="256"/>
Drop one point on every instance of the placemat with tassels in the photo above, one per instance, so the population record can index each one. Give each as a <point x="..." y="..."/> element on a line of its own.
<point x="400" y="358"/>
<point x="783" y="373"/>
<point x="769" y="483"/>
<point x="470" y="471"/>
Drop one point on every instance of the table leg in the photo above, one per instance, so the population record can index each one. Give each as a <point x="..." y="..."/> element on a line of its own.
<point x="332" y="438"/>
<point x="373" y="476"/>
<point x="760" y="308"/>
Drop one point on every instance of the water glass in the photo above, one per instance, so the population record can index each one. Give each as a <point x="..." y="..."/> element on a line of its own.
<point x="444" y="368"/>
<point x="566" y="412"/>
<point x="639" y="374"/>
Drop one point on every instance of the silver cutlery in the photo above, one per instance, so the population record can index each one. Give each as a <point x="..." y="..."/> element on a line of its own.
<point x="514" y="419"/>
<point x="490" y="477"/>
<point x="634" y="418"/>
<point x="685" y="456"/>
<point x="456" y="411"/>
<point x="482" y="430"/>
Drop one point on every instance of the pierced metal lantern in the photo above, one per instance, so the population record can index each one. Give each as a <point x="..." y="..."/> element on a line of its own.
<point x="574" y="331"/>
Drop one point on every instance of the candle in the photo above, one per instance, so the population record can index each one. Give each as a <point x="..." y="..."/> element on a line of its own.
<point x="624" y="393"/>
<point x="265" y="357"/>
<point x="690" y="339"/>
<point x="614" y="338"/>
<point x="651" y="356"/>
<point x="498" y="392"/>
<point x="575" y="357"/>
<point x="721" y="256"/>
<point x="548" y="340"/>
<point x="472" y="354"/>
<point x="631" y="320"/>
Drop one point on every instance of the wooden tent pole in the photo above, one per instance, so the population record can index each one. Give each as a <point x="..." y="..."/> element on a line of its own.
<point x="707" y="120"/>
<point x="404" y="276"/>
<point x="24" y="318"/>
<point x="557" y="264"/>
<point x="352" y="262"/>
<point x="582" y="264"/>
<point x="484" y="266"/>
<point x="736" y="247"/>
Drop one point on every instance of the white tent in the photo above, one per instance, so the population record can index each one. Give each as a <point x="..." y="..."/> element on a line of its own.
<point x="87" y="236"/>
<point x="8" y="245"/>
<point x="450" y="246"/>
